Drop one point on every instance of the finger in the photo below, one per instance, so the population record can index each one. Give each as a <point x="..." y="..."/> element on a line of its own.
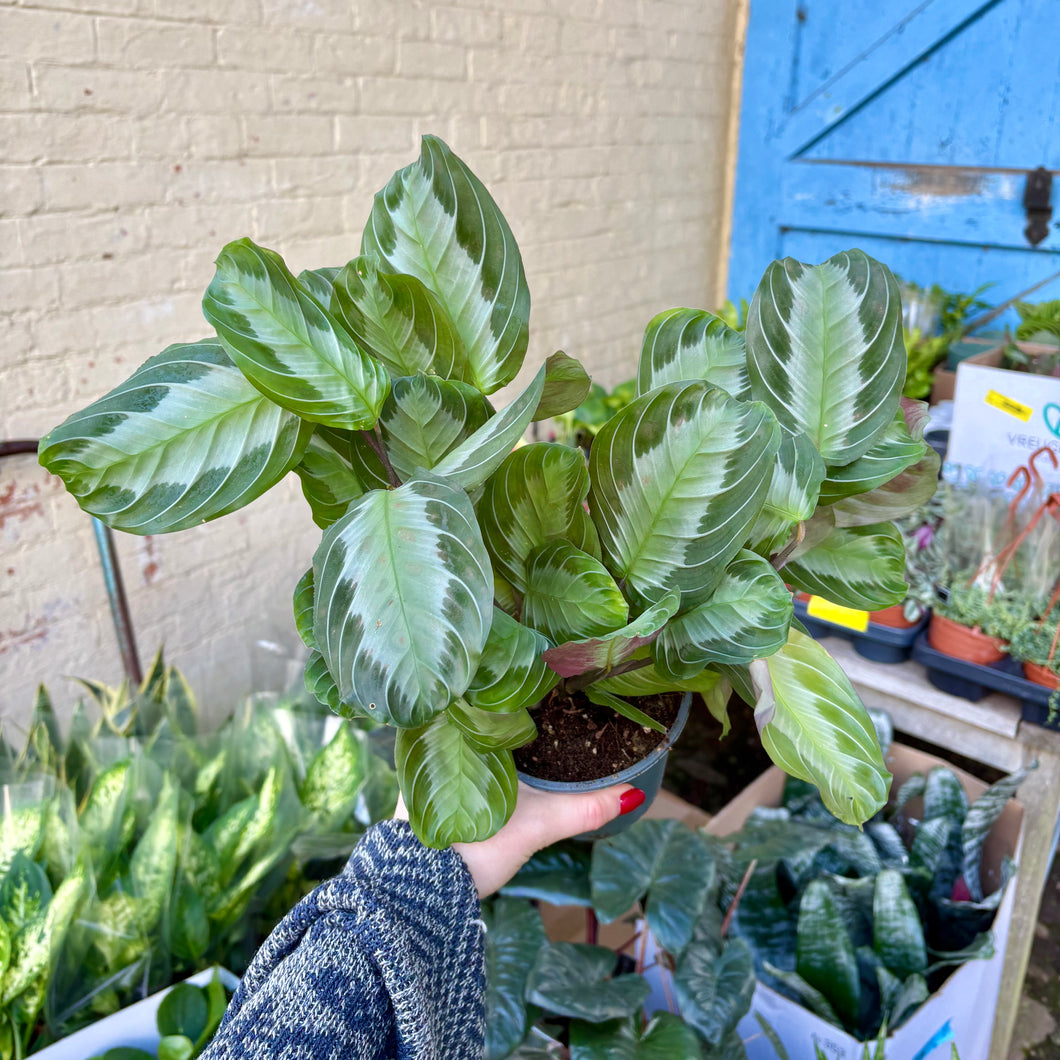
<point x="544" y="817"/>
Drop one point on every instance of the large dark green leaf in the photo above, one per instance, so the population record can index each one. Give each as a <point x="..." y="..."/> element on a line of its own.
<point x="793" y="493"/>
<point x="570" y="595"/>
<point x="898" y="937"/>
<point x="665" y="860"/>
<point x="859" y="566"/>
<point x="665" y="1037"/>
<point x="185" y="439"/>
<point x="678" y="479"/>
<point x="425" y="417"/>
<point x="454" y="793"/>
<point x="684" y="344"/>
<point x="287" y="344"/>
<point x="567" y="384"/>
<point x="303" y="609"/>
<point x="825" y="351"/>
<point x="536" y="494"/>
<point x="559" y="875"/>
<point x="397" y="319"/>
<point x="902" y="496"/>
<point x="714" y="990"/>
<point x="514" y="935"/>
<point x="435" y="221"/>
<point x="745" y="618"/>
<point x="403" y="600"/>
<point x="825" y="956"/>
<point x="511" y="673"/>
<point x="328" y="479"/>
<point x="815" y="727"/>
<point x="574" y="979"/>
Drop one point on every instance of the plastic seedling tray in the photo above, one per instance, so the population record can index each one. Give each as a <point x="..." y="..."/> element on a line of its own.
<point x="972" y="681"/>
<point x="881" y="644"/>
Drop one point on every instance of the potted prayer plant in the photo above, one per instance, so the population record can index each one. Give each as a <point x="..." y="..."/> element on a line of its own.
<point x="470" y="591"/>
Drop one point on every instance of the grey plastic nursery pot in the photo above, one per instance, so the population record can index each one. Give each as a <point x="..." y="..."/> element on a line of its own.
<point x="646" y="774"/>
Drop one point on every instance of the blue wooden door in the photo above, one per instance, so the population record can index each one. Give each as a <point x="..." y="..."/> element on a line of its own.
<point x="904" y="127"/>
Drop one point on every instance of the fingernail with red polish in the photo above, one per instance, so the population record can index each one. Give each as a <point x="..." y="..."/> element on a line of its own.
<point x="630" y="800"/>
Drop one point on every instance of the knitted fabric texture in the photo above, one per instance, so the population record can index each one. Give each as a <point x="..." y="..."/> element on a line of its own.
<point x="386" y="960"/>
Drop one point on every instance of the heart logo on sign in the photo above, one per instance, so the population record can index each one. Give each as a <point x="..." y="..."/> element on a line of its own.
<point x="1051" y="415"/>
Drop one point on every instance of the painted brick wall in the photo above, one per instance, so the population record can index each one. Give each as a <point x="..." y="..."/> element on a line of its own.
<point x="137" y="137"/>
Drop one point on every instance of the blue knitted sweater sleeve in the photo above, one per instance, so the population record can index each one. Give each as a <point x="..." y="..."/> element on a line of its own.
<point x="384" y="961"/>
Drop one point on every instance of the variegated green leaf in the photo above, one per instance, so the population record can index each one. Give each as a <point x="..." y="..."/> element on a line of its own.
<point x="399" y="320"/>
<point x="714" y="989"/>
<point x="858" y="566"/>
<point x="454" y="793"/>
<point x="403" y="601"/>
<point x="566" y="386"/>
<point x="320" y="283"/>
<point x="320" y="683"/>
<point x="746" y="617"/>
<point x="981" y="817"/>
<point x="814" y="727"/>
<point x="435" y="221"/>
<point x="825" y="351"/>
<point x="425" y="417"/>
<point x="535" y="495"/>
<point x="287" y="344"/>
<point x="678" y="480"/>
<point x="602" y="698"/>
<point x="570" y="595"/>
<point x="685" y="344"/>
<point x="511" y="673"/>
<point x="185" y="439"/>
<point x="471" y="462"/>
<point x="647" y="680"/>
<point x="664" y="1037"/>
<point x="488" y="730"/>
<point x="793" y="493"/>
<point x="901" y="496"/>
<point x="606" y="652"/>
<point x="328" y="479"/>
<point x="576" y="980"/>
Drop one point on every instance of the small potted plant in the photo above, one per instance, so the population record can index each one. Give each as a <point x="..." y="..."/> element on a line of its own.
<point x="462" y="582"/>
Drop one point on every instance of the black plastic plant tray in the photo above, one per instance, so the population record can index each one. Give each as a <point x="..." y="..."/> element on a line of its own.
<point x="972" y="681"/>
<point x="878" y="643"/>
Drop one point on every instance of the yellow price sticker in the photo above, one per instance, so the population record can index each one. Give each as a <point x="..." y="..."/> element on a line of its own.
<point x="1009" y="405"/>
<point x="847" y="617"/>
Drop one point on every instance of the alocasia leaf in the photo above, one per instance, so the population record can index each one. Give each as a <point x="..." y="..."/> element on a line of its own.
<point x="714" y="990"/>
<point x="287" y="344"/>
<point x="665" y="1037"/>
<point x="185" y="439"/>
<point x="435" y="221"/>
<point x="575" y="979"/>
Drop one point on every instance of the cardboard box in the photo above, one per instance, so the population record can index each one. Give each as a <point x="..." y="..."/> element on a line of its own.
<point x="944" y="379"/>
<point x="961" y="1013"/>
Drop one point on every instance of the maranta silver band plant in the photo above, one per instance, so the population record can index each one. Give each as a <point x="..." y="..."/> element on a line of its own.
<point x="462" y="576"/>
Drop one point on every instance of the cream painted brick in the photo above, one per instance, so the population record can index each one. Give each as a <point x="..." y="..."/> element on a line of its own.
<point x="237" y="12"/>
<point x="208" y="181"/>
<point x="353" y="55"/>
<point x="16" y="79"/>
<point x="65" y="137"/>
<point x="298" y="177"/>
<point x="197" y="224"/>
<point x="91" y="89"/>
<point x="221" y="92"/>
<point x="282" y="223"/>
<point x="366" y="134"/>
<point x="162" y="138"/>
<point x="299" y="135"/>
<point x="21" y="190"/>
<point x="413" y="97"/>
<point x="465" y="26"/>
<point x="138" y="43"/>
<point x="102" y="186"/>
<point x="402" y="20"/>
<point x="313" y="95"/>
<point x="213" y="136"/>
<point x="317" y="15"/>
<point x="29" y="287"/>
<point x="113" y="280"/>
<point x="443" y="61"/>
<point x="48" y="239"/>
<point x="531" y="34"/>
<point x="265" y="48"/>
<point x="110" y="7"/>
<point x="33" y="35"/>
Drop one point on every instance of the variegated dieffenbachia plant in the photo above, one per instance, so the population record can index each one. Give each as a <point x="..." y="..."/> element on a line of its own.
<point x="461" y="575"/>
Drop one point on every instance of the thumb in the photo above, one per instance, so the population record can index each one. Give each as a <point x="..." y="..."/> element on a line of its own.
<point x="562" y="816"/>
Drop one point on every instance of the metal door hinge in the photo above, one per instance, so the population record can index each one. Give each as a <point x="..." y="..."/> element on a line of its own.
<point x="1036" y="196"/>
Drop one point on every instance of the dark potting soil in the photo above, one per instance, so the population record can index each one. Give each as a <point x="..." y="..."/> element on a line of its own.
<point x="577" y="740"/>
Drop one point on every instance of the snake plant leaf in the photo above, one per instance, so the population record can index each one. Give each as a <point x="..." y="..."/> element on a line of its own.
<point x="403" y="600"/>
<point x="684" y="344"/>
<point x="321" y="685"/>
<point x="514" y="935"/>
<point x="425" y="417"/>
<point x="665" y="860"/>
<point x="794" y="986"/>
<point x="745" y="618"/>
<point x="535" y="495"/>
<point x="944" y="796"/>
<point x="435" y="221"/>
<point x="454" y="793"/>
<point x="814" y="727"/>
<point x="825" y="956"/>
<point x="793" y="493"/>
<point x="329" y="482"/>
<point x="902" y="496"/>
<point x="473" y="460"/>
<point x="567" y="385"/>
<point x="575" y="979"/>
<point x="605" y="652"/>
<point x="858" y="566"/>
<point x="570" y="595"/>
<point x="678" y="479"/>
<point x="511" y="673"/>
<point x="714" y="990"/>
<point x="825" y="351"/>
<point x="303" y="609"/>
<point x="665" y="1037"/>
<point x="559" y="875"/>
<point x="183" y="440"/>
<point x="487" y="730"/>
<point x="398" y="320"/>
<point x="898" y="937"/>
<point x="287" y="344"/>
<point x="320" y="283"/>
<point x="977" y="824"/>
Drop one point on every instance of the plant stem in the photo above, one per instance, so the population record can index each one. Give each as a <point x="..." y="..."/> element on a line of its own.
<point x="576" y="684"/>
<point x="784" y="554"/>
<point x="374" y="438"/>
<point x="731" y="911"/>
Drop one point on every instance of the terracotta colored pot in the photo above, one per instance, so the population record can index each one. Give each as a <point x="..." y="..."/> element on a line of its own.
<point x="894" y="617"/>
<point x="963" y="642"/>
<point x="1040" y="675"/>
